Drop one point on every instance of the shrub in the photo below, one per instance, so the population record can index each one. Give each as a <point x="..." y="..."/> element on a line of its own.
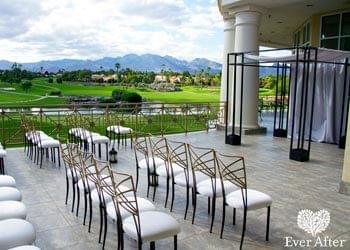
<point x="117" y="94"/>
<point x="131" y="97"/>
<point x="55" y="93"/>
<point x="59" y="80"/>
<point x="50" y="80"/>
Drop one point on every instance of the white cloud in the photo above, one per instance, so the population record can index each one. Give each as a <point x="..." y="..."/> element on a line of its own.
<point x="92" y="29"/>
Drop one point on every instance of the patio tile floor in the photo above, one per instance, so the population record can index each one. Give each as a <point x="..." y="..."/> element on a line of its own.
<point x="292" y="185"/>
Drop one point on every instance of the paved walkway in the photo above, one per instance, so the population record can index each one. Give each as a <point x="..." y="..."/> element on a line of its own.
<point x="292" y="185"/>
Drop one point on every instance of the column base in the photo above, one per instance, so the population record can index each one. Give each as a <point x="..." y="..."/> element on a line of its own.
<point x="344" y="188"/>
<point x="245" y="131"/>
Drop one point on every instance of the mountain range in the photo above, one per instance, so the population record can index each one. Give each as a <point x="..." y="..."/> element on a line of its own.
<point x="146" y="62"/>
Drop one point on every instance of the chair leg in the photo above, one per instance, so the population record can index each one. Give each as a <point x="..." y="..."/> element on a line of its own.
<point x="99" y="150"/>
<point x="175" y="242"/>
<point x="167" y="191"/>
<point x="244" y="225"/>
<point x="268" y="223"/>
<point x="41" y="157"/>
<point x="223" y="218"/>
<point x="105" y="226"/>
<point x="139" y="245"/>
<point x="90" y="213"/>
<point x="152" y="245"/>
<point x="187" y="201"/>
<point x="101" y="223"/>
<point x="59" y="157"/>
<point x="154" y="186"/>
<point x="172" y="194"/>
<point x="67" y="188"/>
<point x="73" y="188"/>
<point x="107" y="152"/>
<point x="234" y="216"/>
<point x="137" y="178"/>
<point x="194" y="201"/>
<point x="212" y="214"/>
<point x="85" y="207"/>
<point x="78" y="201"/>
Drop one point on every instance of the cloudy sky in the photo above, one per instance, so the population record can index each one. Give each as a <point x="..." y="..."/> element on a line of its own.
<point x="33" y="30"/>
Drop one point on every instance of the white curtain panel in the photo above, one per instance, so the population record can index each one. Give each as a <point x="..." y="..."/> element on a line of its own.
<point x="327" y="103"/>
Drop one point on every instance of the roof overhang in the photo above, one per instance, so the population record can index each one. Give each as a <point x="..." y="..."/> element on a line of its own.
<point x="281" y="18"/>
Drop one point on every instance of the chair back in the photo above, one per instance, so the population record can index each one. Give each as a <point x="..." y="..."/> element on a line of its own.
<point x="178" y="155"/>
<point x="140" y="149"/>
<point x="232" y="169"/>
<point x="123" y="192"/>
<point x="203" y="160"/>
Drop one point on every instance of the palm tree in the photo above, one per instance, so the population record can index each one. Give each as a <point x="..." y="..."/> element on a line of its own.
<point x="117" y="66"/>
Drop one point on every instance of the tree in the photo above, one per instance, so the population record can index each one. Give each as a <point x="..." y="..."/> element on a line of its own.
<point x="59" y="80"/>
<point x="26" y="85"/>
<point x="117" y="66"/>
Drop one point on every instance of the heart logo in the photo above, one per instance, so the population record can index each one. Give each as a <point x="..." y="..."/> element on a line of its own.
<point x="313" y="222"/>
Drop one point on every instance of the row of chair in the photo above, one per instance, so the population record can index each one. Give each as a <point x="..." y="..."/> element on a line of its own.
<point x="115" y="195"/>
<point x="205" y="171"/>
<point x="38" y="144"/>
<point x="80" y="133"/>
<point x="119" y="133"/>
<point x="15" y="231"/>
<point x="3" y="154"/>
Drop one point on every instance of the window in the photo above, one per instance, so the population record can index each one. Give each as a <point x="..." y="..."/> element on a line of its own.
<point x="335" y="31"/>
<point x="302" y="36"/>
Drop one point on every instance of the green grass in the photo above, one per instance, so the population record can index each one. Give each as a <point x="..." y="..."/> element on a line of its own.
<point x="42" y="88"/>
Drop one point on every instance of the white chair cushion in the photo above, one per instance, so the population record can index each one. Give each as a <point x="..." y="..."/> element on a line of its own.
<point x="16" y="232"/>
<point x="12" y="209"/>
<point x="206" y="187"/>
<point x="90" y="183"/>
<point x="7" y="181"/>
<point x="10" y="194"/>
<point x="25" y="248"/>
<point x="256" y="199"/>
<point x="52" y="143"/>
<point x="95" y="198"/>
<point x="98" y="139"/>
<point x="75" y="131"/>
<point x="143" y="205"/>
<point x="154" y="226"/>
<point x="119" y="129"/>
<point x="3" y="153"/>
<point x="157" y="161"/>
<point x="162" y="171"/>
<point x="180" y="179"/>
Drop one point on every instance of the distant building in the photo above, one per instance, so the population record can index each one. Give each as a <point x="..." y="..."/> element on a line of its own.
<point x="160" y="79"/>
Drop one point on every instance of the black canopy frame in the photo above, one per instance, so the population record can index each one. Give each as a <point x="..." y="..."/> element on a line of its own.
<point x="301" y="122"/>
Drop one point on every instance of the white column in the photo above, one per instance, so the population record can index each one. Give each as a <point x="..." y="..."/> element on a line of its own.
<point x="247" y="39"/>
<point x="229" y="46"/>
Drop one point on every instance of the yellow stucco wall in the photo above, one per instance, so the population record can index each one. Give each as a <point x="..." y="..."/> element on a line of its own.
<point x="315" y="30"/>
<point x="346" y="164"/>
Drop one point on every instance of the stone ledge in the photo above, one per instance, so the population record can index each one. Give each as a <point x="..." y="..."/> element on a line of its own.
<point x="344" y="188"/>
<point x="254" y="131"/>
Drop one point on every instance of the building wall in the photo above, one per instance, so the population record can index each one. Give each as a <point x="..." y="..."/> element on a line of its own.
<point x="315" y="27"/>
<point x="315" y="22"/>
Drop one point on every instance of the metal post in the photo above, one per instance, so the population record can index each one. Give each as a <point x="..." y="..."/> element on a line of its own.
<point x="341" y="143"/>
